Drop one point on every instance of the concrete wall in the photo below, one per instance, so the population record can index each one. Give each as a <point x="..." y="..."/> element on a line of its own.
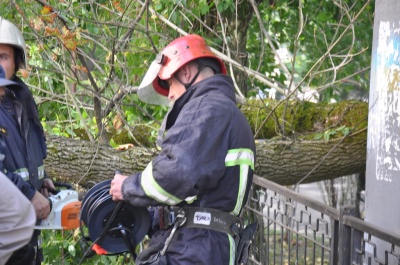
<point x="382" y="206"/>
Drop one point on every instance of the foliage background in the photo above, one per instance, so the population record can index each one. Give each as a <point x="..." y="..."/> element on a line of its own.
<point x="86" y="58"/>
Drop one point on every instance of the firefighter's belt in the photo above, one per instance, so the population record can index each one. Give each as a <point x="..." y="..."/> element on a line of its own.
<point x="200" y="217"/>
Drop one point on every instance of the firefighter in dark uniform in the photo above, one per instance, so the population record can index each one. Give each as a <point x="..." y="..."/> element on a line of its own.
<point x="25" y="141"/>
<point x="17" y="215"/>
<point x="200" y="181"/>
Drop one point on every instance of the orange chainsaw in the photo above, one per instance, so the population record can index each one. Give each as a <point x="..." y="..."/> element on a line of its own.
<point x="65" y="209"/>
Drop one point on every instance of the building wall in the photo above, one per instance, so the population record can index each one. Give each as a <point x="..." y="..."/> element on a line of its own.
<point x="382" y="206"/>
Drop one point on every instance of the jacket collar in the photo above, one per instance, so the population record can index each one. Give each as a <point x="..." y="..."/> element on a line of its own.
<point x="221" y="85"/>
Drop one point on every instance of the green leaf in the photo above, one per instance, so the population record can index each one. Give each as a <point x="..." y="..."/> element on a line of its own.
<point x="328" y="134"/>
<point x="113" y="144"/>
<point x="346" y="131"/>
<point x="318" y="136"/>
<point x="72" y="250"/>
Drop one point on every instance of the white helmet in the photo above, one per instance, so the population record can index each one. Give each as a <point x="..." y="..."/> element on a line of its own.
<point x="10" y="34"/>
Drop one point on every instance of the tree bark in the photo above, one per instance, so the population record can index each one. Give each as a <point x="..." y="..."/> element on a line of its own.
<point x="289" y="163"/>
<point x="284" y="162"/>
<point x="79" y="161"/>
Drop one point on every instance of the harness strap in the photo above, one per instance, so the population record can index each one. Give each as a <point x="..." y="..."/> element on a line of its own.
<point x="207" y="218"/>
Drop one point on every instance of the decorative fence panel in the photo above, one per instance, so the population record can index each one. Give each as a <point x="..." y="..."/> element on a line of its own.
<point x="297" y="229"/>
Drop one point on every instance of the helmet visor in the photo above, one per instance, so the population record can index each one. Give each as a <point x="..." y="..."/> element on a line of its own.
<point x="146" y="91"/>
<point x="5" y="82"/>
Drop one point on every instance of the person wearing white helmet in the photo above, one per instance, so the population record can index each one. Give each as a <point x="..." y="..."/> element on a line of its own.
<point x="198" y="184"/>
<point x="25" y="140"/>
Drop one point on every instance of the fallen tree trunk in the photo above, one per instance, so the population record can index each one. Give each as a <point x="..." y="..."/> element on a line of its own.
<point x="284" y="162"/>
<point x="290" y="156"/>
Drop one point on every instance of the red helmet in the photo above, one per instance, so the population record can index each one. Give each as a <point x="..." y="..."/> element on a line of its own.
<point x="178" y="53"/>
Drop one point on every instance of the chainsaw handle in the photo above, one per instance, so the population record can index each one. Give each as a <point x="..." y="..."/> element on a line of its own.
<point x="51" y="204"/>
<point x="60" y="185"/>
<point x="54" y="192"/>
<point x="63" y="185"/>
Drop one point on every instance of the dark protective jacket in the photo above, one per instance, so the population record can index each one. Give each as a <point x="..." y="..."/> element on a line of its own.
<point x="207" y="159"/>
<point x="25" y="141"/>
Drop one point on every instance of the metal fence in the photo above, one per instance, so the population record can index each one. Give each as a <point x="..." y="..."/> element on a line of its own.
<point x="296" y="229"/>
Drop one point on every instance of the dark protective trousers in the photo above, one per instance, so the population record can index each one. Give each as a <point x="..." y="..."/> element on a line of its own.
<point x="189" y="246"/>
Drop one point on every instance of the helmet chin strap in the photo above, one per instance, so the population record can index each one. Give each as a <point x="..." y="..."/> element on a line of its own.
<point x="187" y="85"/>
